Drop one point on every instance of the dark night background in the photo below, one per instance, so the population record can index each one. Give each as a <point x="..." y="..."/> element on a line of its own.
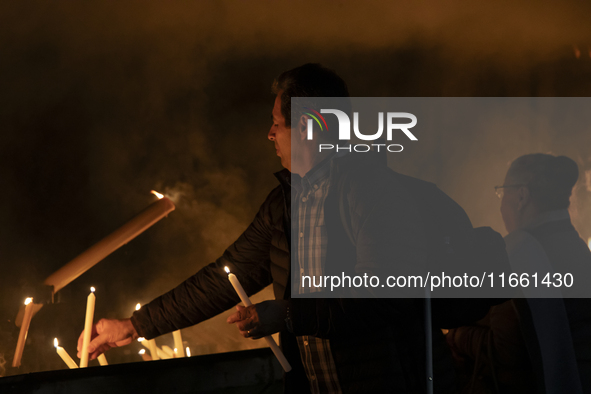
<point x="100" y="103"/>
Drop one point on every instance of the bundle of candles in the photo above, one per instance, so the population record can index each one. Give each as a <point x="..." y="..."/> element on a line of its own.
<point x="155" y="352"/>
<point x="69" y="272"/>
<point x="164" y="352"/>
<point x="88" y="321"/>
<point x="92" y="256"/>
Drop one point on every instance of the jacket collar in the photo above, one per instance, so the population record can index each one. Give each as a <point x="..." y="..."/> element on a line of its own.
<point x="284" y="178"/>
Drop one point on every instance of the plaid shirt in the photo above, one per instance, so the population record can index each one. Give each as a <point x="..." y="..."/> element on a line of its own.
<point x="310" y="251"/>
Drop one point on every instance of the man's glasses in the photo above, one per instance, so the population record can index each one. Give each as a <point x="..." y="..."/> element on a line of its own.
<point x="499" y="190"/>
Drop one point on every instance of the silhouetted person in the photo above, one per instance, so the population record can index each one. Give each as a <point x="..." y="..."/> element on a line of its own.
<point x="537" y="344"/>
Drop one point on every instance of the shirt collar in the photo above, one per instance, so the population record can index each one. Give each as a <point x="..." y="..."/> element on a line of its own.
<point x="548" y="216"/>
<point x="318" y="174"/>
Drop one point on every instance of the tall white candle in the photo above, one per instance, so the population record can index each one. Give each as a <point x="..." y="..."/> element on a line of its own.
<point x="102" y="360"/>
<point x="246" y="301"/>
<point x="153" y="349"/>
<point x="178" y="343"/>
<point x="64" y="355"/>
<point x="137" y="225"/>
<point x="87" y="328"/>
<point x="22" y="336"/>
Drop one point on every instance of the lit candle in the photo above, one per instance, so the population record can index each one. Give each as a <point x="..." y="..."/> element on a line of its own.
<point x="64" y="355"/>
<point x="22" y="336"/>
<point x="145" y="357"/>
<point x="102" y="360"/>
<point x="151" y="345"/>
<point x="238" y="287"/>
<point x="178" y="343"/>
<point x="175" y="352"/>
<point x="246" y="301"/>
<point x="137" y="225"/>
<point x="188" y="351"/>
<point x="87" y="328"/>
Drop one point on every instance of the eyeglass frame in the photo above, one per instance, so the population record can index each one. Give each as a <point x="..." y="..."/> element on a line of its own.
<point x="499" y="189"/>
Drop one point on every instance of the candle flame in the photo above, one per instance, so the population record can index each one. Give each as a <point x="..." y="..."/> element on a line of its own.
<point x="154" y="192"/>
<point x="138" y="306"/>
<point x="227" y="269"/>
<point x="55" y="343"/>
<point x="142" y="351"/>
<point x="577" y="51"/>
<point x="141" y="339"/>
<point x="92" y="289"/>
<point x="589" y="243"/>
<point x="188" y="352"/>
<point x="28" y="301"/>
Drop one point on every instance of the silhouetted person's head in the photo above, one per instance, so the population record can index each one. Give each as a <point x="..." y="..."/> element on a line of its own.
<point x="534" y="184"/>
<point x="309" y="80"/>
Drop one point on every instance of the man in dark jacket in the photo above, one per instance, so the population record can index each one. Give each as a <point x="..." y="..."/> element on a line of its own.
<point x="348" y="345"/>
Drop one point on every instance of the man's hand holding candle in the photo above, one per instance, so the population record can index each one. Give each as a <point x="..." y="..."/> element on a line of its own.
<point x="106" y="334"/>
<point x="260" y="320"/>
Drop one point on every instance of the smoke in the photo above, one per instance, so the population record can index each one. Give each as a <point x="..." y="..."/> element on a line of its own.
<point x="102" y="103"/>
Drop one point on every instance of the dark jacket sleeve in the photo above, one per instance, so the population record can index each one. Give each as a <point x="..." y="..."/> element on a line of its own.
<point x="209" y="292"/>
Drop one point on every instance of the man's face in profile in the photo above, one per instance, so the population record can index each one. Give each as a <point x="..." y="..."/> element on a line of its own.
<point x="280" y="134"/>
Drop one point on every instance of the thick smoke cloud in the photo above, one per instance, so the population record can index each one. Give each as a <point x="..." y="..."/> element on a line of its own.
<point x="100" y="103"/>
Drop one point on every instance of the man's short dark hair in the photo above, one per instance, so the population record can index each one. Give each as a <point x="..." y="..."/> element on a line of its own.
<point x="550" y="179"/>
<point x="309" y="80"/>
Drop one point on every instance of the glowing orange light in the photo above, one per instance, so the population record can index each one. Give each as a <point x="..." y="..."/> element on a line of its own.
<point x="154" y="192"/>
<point x="55" y="343"/>
<point x="28" y="301"/>
<point x="589" y="243"/>
<point x="577" y="51"/>
<point x="92" y="289"/>
<point x="141" y="339"/>
<point x="188" y="352"/>
<point x="227" y="270"/>
<point x="142" y="351"/>
<point x="138" y="306"/>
